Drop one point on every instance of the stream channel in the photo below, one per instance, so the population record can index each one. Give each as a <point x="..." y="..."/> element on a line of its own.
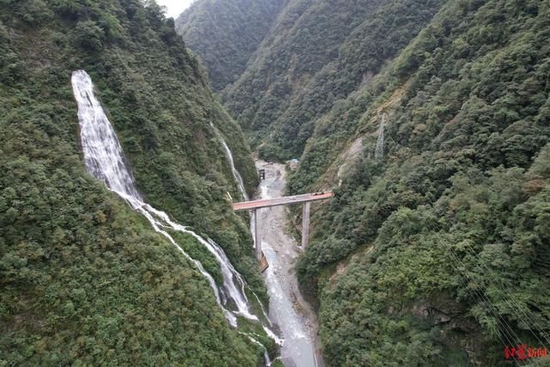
<point x="288" y="311"/>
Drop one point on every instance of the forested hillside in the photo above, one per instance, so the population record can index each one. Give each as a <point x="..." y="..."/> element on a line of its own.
<point x="83" y="279"/>
<point x="435" y="249"/>
<point x="313" y="54"/>
<point x="430" y="121"/>
<point x="318" y="53"/>
<point x="225" y="34"/>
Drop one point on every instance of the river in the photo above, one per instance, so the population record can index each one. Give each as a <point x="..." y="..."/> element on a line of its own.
<point x="288" y="311"/>
<point x="104" y="159"/>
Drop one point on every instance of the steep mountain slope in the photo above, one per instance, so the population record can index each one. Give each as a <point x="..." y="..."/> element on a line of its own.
<point x="429" y="119"/>
<point x="84" y="280"/>
<point x="317" y="53"/>
<point x="435" y="251"/>
<point x="226" y="33"/>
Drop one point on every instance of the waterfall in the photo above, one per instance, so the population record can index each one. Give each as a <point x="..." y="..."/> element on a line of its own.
<point x="267" y="360"/>
<point x="240" y="184"/>
<point x="238" y="178"/>
<point x="236" y="175"/>
<point x="379" y="151"/>
<point x="104" y="159"/>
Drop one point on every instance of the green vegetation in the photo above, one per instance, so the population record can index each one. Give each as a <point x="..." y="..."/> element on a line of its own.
<point x="318" y="53"/>
<point x="438" y="246"/>
<point x="225" y="34"/>
<point x="84" y="279"/>
<point x="435" y="254"/>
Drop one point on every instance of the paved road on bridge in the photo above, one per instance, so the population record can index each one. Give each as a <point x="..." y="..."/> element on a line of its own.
<point x="285" y="200"/>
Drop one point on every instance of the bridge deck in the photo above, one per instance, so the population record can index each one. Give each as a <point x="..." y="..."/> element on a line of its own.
<point x="285" y="200"/>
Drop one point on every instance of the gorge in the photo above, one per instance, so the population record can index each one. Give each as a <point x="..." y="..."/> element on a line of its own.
<point x="427" y="119"/>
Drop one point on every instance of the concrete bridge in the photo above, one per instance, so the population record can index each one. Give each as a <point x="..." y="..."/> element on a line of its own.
<point x="256" y="205"/>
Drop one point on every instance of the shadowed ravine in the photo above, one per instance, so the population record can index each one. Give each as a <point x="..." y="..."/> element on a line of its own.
<point x="288" y="310"/>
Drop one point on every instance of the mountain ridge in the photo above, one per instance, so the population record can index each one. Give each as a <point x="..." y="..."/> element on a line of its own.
<point x="235" y="30"/>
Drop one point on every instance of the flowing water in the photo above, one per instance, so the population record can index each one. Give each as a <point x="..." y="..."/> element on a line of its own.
<point x="292" y="315"/>
<point x="287" y="309"/>
<point x="240" y="184"/>
<point x="105" y="160"/>
<point x="252" y="338"/>
<point x="236" y="175"/>
<point x="242" y="190"/>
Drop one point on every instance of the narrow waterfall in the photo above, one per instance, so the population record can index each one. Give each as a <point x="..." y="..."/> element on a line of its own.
<point x="240" y="184"/>
<point x="104" y="159"/>
<point x="379" y="150"/>
<point x="236" y="175"/>
<point x="267" y="360"/>
<point x="238" y="179"/>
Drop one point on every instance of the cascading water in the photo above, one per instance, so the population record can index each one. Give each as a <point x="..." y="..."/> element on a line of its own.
<point x="298" y="348"/>
<point x="379" y="150"/>
<point x="240" y="184"/>
<point x="104" y="159"/>
<point x="288" y="310"/>
<point x="236" y="174"/>
<point x="267" y="360"/>
<point x="239" y="181"/>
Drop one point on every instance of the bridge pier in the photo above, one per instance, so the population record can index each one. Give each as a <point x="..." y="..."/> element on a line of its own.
<point x="256" y="205"/>
<point x="257" y="234"/>
<point x="305" y="225"/>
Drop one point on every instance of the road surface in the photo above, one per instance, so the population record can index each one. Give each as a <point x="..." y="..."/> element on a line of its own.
<point x="295" y="199"/>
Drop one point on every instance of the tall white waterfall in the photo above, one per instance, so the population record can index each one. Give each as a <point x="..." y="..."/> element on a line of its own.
<point x="379" y="150"/>
<point x="104" y="160"/>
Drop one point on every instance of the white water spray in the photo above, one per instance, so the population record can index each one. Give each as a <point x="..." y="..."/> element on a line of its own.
<point x="240" y="184"/>
<point x="104" y="160"/>
<point x="253" y="339"/>
<point x="236" y="175"/>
